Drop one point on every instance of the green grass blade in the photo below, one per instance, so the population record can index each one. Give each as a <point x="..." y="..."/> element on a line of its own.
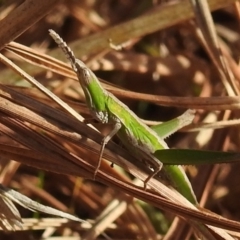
<point x="195" y="157"/>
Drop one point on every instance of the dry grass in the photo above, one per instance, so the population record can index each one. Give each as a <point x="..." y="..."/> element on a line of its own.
<point x="167" y="63"/>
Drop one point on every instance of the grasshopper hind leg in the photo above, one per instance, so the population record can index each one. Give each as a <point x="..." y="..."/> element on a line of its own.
<point x="157" y="166"/>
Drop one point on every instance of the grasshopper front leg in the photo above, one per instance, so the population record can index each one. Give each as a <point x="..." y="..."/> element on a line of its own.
<point x="117" y="127"/>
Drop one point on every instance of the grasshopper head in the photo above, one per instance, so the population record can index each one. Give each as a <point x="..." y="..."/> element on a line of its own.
<point x="94" y="93"/>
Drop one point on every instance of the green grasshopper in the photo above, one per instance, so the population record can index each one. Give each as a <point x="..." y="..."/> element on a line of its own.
<point x="133" y="133"/>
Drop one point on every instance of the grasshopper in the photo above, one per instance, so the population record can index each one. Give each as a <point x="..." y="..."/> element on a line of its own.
<point x="133" y="133"/>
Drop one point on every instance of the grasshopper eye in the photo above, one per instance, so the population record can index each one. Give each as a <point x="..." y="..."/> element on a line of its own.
<point x="86" y="76"/>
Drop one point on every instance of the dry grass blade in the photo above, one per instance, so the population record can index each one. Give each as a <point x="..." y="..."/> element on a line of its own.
<point x="214" y="125"/>
<point x="161" y="17"/>
<point x="205" y="21"/>
<point x="43" y="60"/>
<point x="211" y="103"/>
<point x="10" y="217"/>
<point x="16" y="22"/>
<point x="43" y="223"/>
<point x="26" y="202"/>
